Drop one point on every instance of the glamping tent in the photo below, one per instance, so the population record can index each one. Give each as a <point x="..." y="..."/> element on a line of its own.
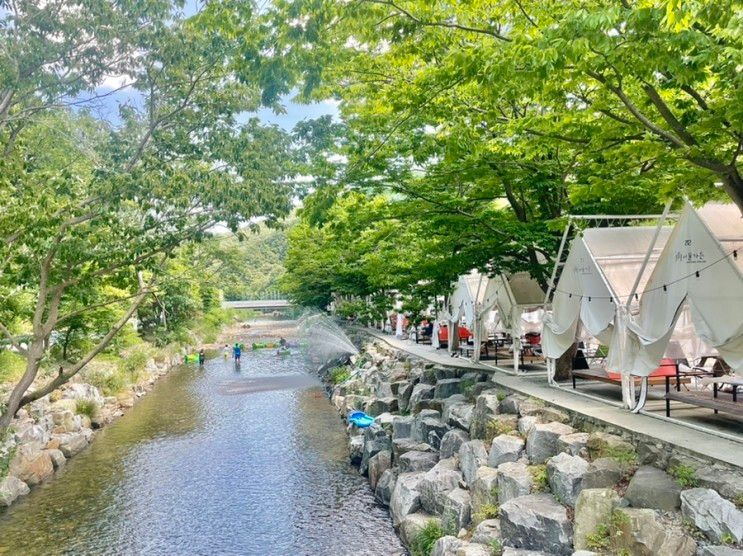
<point x="605" y="266"/>
<point x="700" y="271"/>
<point x="517" y="298"/>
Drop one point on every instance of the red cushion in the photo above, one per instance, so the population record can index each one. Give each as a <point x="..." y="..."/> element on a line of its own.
<point x="667" y="367"/>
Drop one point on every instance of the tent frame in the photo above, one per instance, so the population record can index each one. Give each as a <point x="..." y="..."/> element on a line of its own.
<point x="628" y="384"/>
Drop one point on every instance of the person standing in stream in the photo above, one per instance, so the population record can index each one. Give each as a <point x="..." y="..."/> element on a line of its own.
<point x="236" y="351"/>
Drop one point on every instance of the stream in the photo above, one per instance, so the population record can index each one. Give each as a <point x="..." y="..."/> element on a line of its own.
<point x="214" y="460"/>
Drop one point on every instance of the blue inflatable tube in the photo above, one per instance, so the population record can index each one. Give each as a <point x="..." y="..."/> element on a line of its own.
<point x="360" y="419"/>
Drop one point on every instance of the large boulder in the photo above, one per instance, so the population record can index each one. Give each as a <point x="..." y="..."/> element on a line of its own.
<point x="447" y="546"/>
<point x="514" y="480"/>
<point x="402" y="446"/>
<point x="718" y="518"/>
<point x="728" y="483"/>
<point x="593" y="507"/>
<point x="447" y="387"/>
<point x="404" y="392"/>
<point x="378" y="406"/>
<point x="484" y="489"/>
<point x="542" y="443"/>
<point x="451" y="442"/>
<point x="436" y="483"/>
<point x="385" y="486"/>
<point x="413" y="524"/>
<point x="457" y="510"/>
<point x="505" y="448"/>
<point x="58" y="458"/>
<point x="565" y="476"/>
<point x="405" y="498"/>
<point x="486" y="408"/>
<point x="536" y="522"/>
<point x="82" y="391"/>
<point x="525" y="424"/>
<point x="651" y="487"/>
<point x="472" y="455"/>
<point x="66" y="421"/>
<point x="603" y="473"/>
<point x="11" y="488"/>
<point x="402" y="426"/>
<point x="474" y="549"/>
<point x="644" y="534"/>
<point x="356" y="448"/>
<point x="425" y="422"/>
<point x="31" y="465"/>
<point x="378" y="464"/>
<point x="511" y="404"/>
<point x="487" y="531"/>
<point x="420" y="392"/>
<point x="573" y="443"/>
<point x="417" y="461"/>
<point x="376" y="439"/>
<point x="460" y="416"/>
<point x="719" y="551"/>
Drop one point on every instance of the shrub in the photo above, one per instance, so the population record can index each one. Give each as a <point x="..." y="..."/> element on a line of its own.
<point x="539" y="479"/>
<point x="339" y="374"/>
<point x="685" y="476"/>
<point x="606" y="536"/>
<point x="738" y="500"/>
<point x="599" y="448"/>
<point x="86" y="407"/>
<point x="496" y="548"/>
<point x="487" y="511"/>
<point x="5" y="462"/>
<point x="422" y="544"/>
<point x="496" y="428"/>
<point x="501" y="395"/>
<point x="108" y="381"/>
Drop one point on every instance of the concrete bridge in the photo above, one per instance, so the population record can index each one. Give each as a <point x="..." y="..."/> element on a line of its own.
<point x="258" y="304"/>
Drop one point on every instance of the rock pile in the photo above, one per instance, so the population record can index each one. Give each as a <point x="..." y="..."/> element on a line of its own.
<point x="499" y="473"/>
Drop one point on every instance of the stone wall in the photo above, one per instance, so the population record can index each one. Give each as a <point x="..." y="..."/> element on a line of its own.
<point x="47" y="432"/>
<point x="500" y="473"/>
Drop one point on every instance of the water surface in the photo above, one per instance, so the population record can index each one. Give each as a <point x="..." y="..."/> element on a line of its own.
<point x="213" y="461"/>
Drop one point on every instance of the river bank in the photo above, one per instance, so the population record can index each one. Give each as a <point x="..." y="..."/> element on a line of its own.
<point x="468" y="468"/>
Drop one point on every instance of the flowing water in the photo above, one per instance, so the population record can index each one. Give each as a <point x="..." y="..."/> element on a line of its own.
<point x="213" y="461"/>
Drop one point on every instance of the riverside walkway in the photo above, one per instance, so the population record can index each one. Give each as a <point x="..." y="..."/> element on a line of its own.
<point x="707" y="444"/>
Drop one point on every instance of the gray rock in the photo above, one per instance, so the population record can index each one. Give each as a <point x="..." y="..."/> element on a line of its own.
<point x="511" y="404"/>
<point x="451" y="442"/>
<point x="385" y="486"/>
<point x="650" y="453"/>
<point x="378" y="464"/>
<point x="603" y="473"/>
<point x="420" y="392"/>
<point x="585" y="553"/>
<point x="474" y="549"/>
<point x="505" y="448"/>
<point x="31" y="465"/>
<point x="413" y="461"/>
<point x="405" y="498"/>
<point x="401" y="426"/>
<point x="58" y="459"/>
<point x="536" y="522"/>
<point x="720" y="551"/>
<point x="514" y="480"/>
<point x="727" y="483"/>
<point x="436" y="483"/>
<point x="434" y="440"/>
<point x="82" y="391"/>
<point x="572" y="443"/>
<point x="356" y="448"/>
<point x="565" y="476"/>
<point x="460" y="416"/>
<point x="527" y="423"/>
<point x="10" y="489"/>
<point x="601" y="442"/>
<point x="651" y="487"/>
<point x="384" y="390"/>
<point x="472" y="455"/>
<point x="484" y="489"/>
<point x="645" y="534"/>
<point x="404" y="394"/>
<point x="508" y="551"/>
<point x="542" y="441"/>
<point x="376" y="439"/>
<point x="486" y="408"/>
<point x="593" y="507"/>
<point x="412" y="525"/>
<point x="447" y="546"/>
<point x="487" y="531"/>
<point x="457" y="510"/>
<point x="447" y="387"/>
<point x="712" y="514"/>
<point x="426" y="421"/>
<point x="401" y="446"/>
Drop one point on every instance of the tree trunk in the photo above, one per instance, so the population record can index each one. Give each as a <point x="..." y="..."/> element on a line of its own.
<point x="733" y="185"/>
<point x="564" y="365"/>
<point x="33" y="358"/>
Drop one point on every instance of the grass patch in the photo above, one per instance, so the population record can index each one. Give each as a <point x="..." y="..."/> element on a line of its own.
<point x="540" y="483"/>
<point x="599" y="448"/>
<point x="497" y="427"/>
<point x="606" y="537"/>
<point x="738" y="501"/>
<point x="5" y="462"/>
<point x="487" y="511"/>
<point x="685" y="476"/>
<point x="467" y="387"/>
<point x="12" y="366"/>
<point x="501" y="395"/>
<point x="422" y="544"/>
<point x="86" y="407"/>
<point x="496" y="548"/>
<point x="339" y="374"/>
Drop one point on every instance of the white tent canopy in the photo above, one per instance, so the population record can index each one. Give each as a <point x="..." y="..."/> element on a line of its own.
<point x="697" y="271"/>
<point x="596" y="283"/>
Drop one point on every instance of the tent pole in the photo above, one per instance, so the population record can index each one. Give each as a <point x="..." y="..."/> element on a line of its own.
<point x="558" y="260"/>
<point x="649" y="252"/>
<point x="516" y="343"/>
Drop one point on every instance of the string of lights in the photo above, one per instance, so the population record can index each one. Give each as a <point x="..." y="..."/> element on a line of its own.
<point x="664" y="287"/>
